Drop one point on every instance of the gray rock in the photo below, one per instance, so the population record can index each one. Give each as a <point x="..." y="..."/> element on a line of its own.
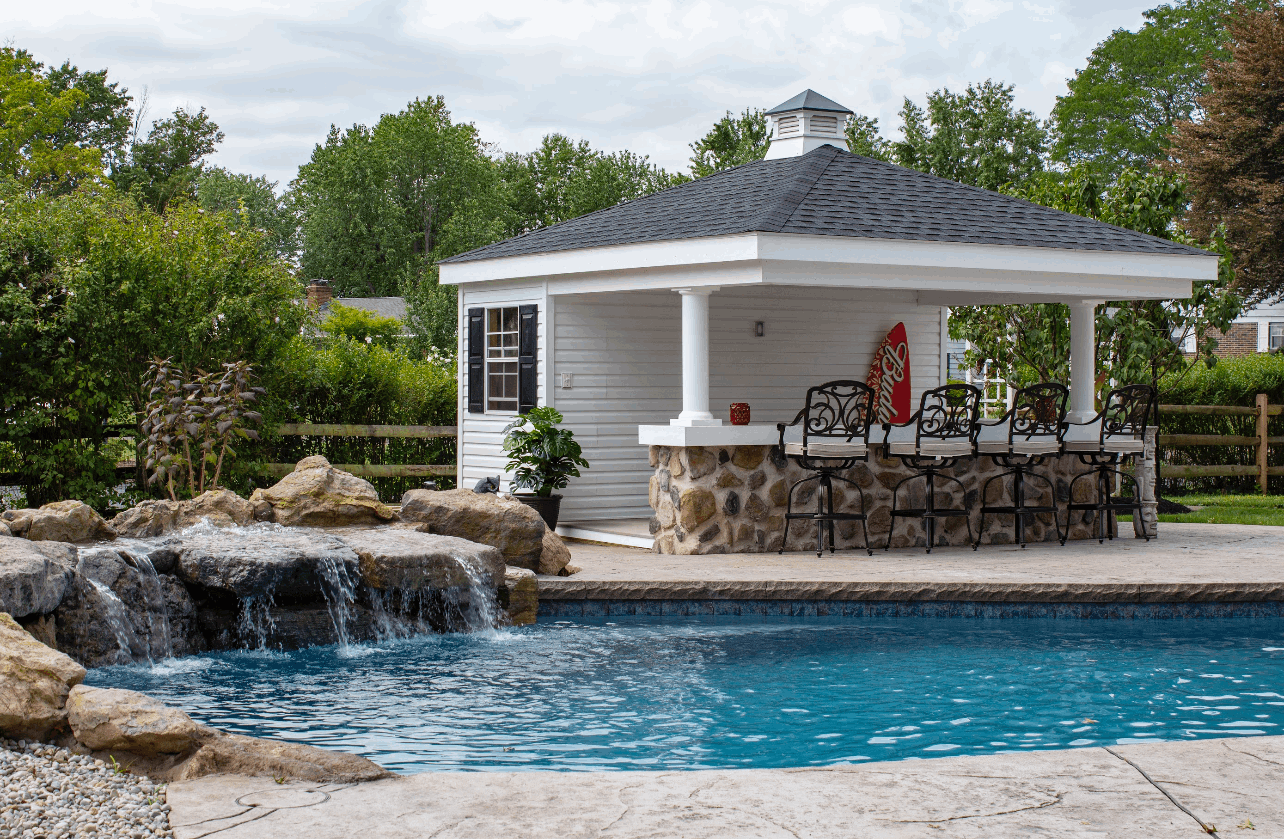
<point x="404" y="559"/>
<point x="107" y="718"/>
<point x="287" y="564"/>
<point x="61" y="521"/>
<point x="520" y="596"/>
<point x="219" y="507"/>
<point x="316" y="494"/>
<point x="34" y="576"/>
<point x="511" y="526"/>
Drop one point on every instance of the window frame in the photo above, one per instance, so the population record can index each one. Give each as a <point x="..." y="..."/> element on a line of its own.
<point x="1270" y="335"/>
<point x="511" y="359"/>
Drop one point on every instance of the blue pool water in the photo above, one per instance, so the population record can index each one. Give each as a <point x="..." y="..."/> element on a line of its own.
<point x="718" y="692"/>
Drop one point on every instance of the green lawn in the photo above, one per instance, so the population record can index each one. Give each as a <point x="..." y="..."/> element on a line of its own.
<point x="1231" y="509"/>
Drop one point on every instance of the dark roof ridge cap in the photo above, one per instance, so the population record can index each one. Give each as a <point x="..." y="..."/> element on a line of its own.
<point x="989" y="193"/>
<point x="816" y="163"/>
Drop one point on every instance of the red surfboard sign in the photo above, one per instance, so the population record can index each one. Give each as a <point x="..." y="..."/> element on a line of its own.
<point x="889" y="376"/>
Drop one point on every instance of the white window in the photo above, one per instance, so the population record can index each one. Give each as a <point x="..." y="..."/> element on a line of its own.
<point x="1275" y="337"/>
<point x="501" y="359"/>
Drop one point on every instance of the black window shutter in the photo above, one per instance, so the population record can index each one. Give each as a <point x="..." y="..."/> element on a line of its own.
<point x="527" y="358"/>
<point x="476" y="361"/>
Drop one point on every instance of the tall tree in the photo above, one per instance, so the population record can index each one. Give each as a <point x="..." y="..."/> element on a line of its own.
<point x="863" y="138"/>
<point x="1121" y="107"/>
<point x="1234" y="156"/>
<point x="252" y="202"/>
<point x="37" y="143"/>
<point x="977" y="137"/>
<point x="564" y="179"/>
<point x="103" y="117"/>
<point x="733" y="140"/>
<point x="166" y="166"/>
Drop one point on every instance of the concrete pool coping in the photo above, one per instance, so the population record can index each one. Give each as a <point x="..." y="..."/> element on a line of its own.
<point x="1153" y="789"/>
<point x="1188" y="563"/>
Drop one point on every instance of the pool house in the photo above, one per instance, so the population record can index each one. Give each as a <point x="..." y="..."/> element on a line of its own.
<point x="643" y="323"/>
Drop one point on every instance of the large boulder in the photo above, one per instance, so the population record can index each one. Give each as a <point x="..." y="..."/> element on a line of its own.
<point x="220" y="507"/>
<point x="287" y="565"/>
<point x="61" y="521"/>
<point x="111" y="719"/>
<point x="510" y="526"/>
<point x="221" y="753"/>
<point x="316" y="494"/>
<point x="34" y="683"/>
<point x="554" y="556"/>
<point x="4" y="529"/>
<point x="34" y="576"/>
<point x="399" y="558"/>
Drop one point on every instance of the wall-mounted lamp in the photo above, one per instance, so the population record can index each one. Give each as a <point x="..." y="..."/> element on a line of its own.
<point x="759" y="328"/>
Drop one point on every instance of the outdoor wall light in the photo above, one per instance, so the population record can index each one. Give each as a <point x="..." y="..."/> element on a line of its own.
<point x="759" y="328"/>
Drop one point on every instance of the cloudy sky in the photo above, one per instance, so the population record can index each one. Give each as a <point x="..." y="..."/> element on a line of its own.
<point x="647" y="76"/>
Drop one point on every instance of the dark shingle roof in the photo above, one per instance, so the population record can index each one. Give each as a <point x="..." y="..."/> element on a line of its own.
<point x="811" y="100"/>
<point x="829" y="192"/>
<point x="386" y="307"/>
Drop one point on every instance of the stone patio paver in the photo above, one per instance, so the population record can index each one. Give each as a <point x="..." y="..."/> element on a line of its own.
<point x="1089" y="792"/>
<point x="1198" y="562"/>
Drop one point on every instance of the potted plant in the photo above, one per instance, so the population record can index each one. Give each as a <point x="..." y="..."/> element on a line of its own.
<point x="542" y="458"/>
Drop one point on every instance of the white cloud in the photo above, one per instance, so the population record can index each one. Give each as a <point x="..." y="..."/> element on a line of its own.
<point x="648" y="76"/>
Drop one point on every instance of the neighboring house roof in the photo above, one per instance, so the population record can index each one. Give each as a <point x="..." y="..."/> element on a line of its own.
<point x="387" y="307"/>
<point x="829" y="192"/>
<point x="810" y="100"/>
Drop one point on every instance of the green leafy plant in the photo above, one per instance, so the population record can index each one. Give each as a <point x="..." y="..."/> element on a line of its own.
<point x="542" y="457"/>
<point x="191" y="423"/>
<point x="360" y="325"/>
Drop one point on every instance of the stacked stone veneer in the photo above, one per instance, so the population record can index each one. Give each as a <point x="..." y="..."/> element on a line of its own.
<point x="732" y="500"/>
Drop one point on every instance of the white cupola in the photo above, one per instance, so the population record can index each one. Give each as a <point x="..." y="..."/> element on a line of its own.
<point x="806" y="122"/>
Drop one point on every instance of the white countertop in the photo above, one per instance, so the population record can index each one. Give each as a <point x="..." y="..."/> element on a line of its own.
<point x="708" y="435"/>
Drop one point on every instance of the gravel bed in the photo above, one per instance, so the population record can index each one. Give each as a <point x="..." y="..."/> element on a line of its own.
<point x="51" y="793"/>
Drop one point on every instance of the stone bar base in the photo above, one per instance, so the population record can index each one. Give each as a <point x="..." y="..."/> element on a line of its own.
<point x="731" y="499"/>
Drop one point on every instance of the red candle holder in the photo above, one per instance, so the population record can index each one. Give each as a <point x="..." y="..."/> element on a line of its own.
<point x="739" y="413"/>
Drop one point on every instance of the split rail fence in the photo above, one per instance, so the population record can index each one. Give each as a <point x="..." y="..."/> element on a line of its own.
<point x="1261" y="441"/>
<point x="369" y="470"/>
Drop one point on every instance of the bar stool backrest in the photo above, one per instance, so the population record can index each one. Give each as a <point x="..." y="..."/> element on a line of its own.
<point x="1038" y="411"/>
<point x="947" y="418"/>
<point x="1125" y="417"/>
<point x="837" y="413"/>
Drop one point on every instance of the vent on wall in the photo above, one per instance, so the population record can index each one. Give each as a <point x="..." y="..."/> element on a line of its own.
<point x="787" y="125"/>
<point x="824" y="125"/>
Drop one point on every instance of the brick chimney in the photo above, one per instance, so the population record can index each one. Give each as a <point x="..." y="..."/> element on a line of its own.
<point x="318" y="294"/>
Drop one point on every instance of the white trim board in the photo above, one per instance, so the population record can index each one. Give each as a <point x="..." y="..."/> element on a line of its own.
<point x="793" y="259"/>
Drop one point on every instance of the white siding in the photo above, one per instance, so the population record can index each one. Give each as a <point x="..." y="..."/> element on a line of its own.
<point x="480" y="435"/>
<point x="624" y="351"/>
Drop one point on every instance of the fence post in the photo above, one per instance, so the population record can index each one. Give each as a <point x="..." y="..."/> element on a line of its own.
<point x="1263" y="420"/>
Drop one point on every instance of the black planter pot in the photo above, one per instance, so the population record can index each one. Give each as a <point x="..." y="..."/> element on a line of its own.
<point x="547" y="506"/>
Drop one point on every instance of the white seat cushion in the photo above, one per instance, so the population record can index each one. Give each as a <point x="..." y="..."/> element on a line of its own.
<point x="827" y="448"/>
<point x="1124" y="445"/>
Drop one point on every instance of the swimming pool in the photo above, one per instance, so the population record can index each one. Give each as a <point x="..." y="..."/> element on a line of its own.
<point x="725" y="692"/>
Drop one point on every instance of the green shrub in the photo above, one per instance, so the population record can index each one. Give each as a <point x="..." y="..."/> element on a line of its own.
<point x="350" y="382"/>
<point x="1232" y="381"/>
<point x="361" y="326"/>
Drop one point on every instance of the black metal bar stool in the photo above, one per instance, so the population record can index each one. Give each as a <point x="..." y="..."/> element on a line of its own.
<point x="935" y="438"/>
<point x="1023" y="437"/>
<point x="1104" y="443"/>
<point x="830" y="435"/>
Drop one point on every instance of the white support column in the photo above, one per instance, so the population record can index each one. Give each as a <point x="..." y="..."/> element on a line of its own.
<point x="1083" y="360"/>
<point x="695" y="358"/>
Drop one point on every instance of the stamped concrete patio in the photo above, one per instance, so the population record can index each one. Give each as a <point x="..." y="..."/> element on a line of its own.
<point x="1190" y="788"/>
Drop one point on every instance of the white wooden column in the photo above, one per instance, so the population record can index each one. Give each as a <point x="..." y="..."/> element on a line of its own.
<point x="695" y="358"/>
<point x="1083" y="360"/>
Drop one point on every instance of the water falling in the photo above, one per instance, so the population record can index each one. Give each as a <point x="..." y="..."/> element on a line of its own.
<point x="127" y="640"/>
<point x="478" y="608"/>
<point x="339" y="589"/>
<point x="157" y="608"/>
<point x="255" y="622"/>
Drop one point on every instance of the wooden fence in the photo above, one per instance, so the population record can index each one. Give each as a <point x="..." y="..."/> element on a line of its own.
<point x="368" y="470"/>
<point x="1263" y="411"/>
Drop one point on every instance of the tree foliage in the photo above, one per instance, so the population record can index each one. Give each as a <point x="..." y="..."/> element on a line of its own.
<point x="977" y="137"/>
<point x="167" y="165"/>
<point x="1121" y="107"/>
<point x="361" y="325"/>
<point x="252" y="203"/>
<point x="92" y="288"/>
<point x="1234" y="156"/>
<point x="733" y="141"/>
<point x="1137" y="340"/>
<point x="38" y="144"/>
<point x="863" y="138"/>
